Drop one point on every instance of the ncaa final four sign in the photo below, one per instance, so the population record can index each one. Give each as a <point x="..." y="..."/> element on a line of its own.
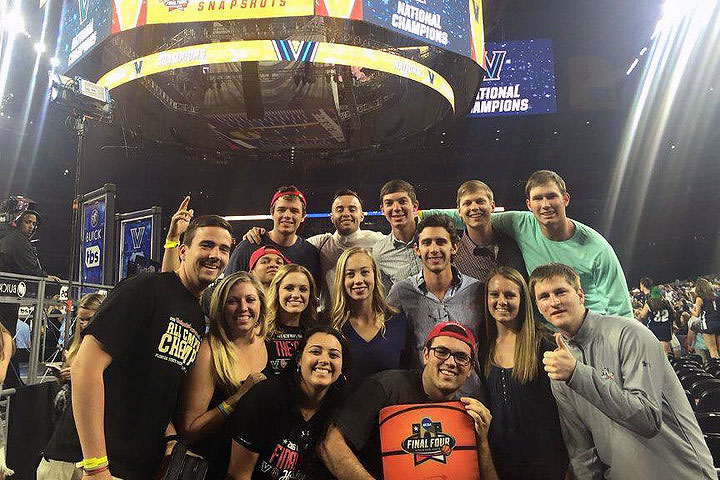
<point x="519" y="79"/>
<point x="424" y="441"/>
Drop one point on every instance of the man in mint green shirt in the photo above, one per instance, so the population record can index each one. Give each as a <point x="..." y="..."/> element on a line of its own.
<point x="545" y="234"/>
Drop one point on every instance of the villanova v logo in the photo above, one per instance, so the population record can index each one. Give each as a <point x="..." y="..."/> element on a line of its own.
<point x="137" y="236"/>
<point x="495" y="64"/>
<point x="292" y="50"/>
<point x="83" y="6"/>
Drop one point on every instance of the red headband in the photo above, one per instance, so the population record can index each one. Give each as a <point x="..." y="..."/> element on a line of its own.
<point x="282" y="193"/>
<point x="261" y="252"/>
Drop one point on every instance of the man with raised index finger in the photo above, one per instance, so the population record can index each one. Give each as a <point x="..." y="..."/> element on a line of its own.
<point x="622" y="409"/>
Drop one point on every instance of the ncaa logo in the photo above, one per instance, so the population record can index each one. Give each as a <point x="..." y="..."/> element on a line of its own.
<point x="21" y="289"/>
<point x="94" y="217"/>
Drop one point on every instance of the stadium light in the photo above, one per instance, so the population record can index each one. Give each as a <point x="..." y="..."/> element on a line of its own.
<point x="39" y="47"/>
<point x="14" y="23"/>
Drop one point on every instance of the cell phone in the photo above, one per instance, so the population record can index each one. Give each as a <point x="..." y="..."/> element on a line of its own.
<point x="55" y="366"/>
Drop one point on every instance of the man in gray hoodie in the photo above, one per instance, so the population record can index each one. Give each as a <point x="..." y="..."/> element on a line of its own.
<point x="622" y="409"/>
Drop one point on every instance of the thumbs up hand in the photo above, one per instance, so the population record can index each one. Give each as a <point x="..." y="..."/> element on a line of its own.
<point x="560" y="363"/>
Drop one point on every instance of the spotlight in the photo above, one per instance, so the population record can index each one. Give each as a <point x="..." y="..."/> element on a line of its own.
<point x="14" y="23"/>
<point x="39" y="47"/>
<point x="80" y="96"/>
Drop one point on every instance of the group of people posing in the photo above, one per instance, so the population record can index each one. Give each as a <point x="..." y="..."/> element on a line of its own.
<point x="304" y="348"/>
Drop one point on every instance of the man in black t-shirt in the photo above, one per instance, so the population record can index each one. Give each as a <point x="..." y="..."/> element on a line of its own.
<point x="127" y="372"/>
<point x="448" y="357"/>
<point x="288" y="210"/>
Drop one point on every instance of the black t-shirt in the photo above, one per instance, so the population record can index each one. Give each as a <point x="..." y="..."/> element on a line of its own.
<point x="150" y="325"/>
<point x="266" y="421"/>
<point x="357" y="419"/>
<point x="301" y="252"/>
<point x="281" y="347"/>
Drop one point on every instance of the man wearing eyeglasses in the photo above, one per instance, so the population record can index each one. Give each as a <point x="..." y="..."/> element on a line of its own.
<point x="439" y="292"/>
<point x="448" y="355"/>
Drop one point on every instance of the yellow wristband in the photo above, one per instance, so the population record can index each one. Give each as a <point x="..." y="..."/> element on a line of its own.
<point x="169" y="244"/>
<point x="94" y="462"/>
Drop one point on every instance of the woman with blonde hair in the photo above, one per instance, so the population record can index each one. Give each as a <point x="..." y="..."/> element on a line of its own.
<point x="292" y="308"/>
<point x="524" y="413"/>
<point x="48" y="468"/>
<point x="231" y="359"/>
<point x="86" y="308"/>
<point x="707" y="309"/>
<point x="375" y="333"/>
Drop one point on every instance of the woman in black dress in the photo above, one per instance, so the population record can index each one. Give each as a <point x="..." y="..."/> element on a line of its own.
<point x="525" y="436"/>
<point x="707" y="309"/>
<point x="277" y="425"/>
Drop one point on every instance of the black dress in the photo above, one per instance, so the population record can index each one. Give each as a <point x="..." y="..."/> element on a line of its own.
<point x="525" y="436"/>
<point x="216" y="448"/>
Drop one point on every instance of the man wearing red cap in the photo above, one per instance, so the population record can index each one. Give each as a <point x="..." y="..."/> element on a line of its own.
<point x="448" y="356"/>
<point x="288" y="209"/>
<point x="264" y="264"/>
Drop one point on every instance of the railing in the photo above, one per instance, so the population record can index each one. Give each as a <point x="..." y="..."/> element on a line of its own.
<point x="5" y="410"/>
<point x="39" y="293"/>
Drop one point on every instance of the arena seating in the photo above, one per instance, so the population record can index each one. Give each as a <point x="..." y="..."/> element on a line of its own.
<point x="701" y="382"/>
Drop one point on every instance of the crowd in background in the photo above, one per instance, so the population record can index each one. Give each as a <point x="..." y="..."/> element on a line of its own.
<point x="681" y="298"/>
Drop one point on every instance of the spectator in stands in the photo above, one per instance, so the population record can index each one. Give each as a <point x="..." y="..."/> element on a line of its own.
<point x="22" y="344"/>
<point x="482" y="248"/>
<point x="291" y="310"/>
<point x="86" y="308"/>
<point x="288" y="210"/>
<point x="127" y="372"/>
<point x="346" y="214"/>
<point x="22" y="341"/>
<point x="264" y="264"/>
<point x="707" y="309"/>
<point x="376" y="336"/>
<point x="277" y="425"/>
<point x="646" y="284"/>
<point x="622" y="409"/>
<point x="657" y="315"/>
<point x="523" y="409"/>
<point x="394" y="253"/>
<point x="439" y="292"/>
<point x="6" y="349"/>
<point x="351" y="448"/>
<point x="545" y="234"/>
<point x="231" y="359"/>
<point x="694" y="341"/>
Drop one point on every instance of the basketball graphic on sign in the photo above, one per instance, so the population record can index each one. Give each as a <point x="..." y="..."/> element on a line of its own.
<point x="428" y="441"/>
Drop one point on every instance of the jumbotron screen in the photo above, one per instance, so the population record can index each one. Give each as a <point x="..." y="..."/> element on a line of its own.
<point x="519" y="79"/>
<point x="453" y="25"/>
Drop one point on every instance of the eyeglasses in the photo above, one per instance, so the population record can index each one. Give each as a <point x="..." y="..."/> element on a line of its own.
<point x="442" y="353"/>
